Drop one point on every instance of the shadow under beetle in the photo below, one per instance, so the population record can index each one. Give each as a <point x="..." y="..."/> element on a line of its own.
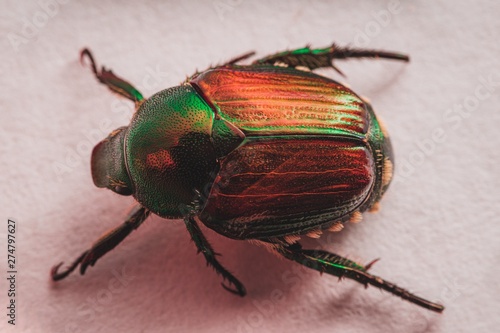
<point x="265" y="152"/>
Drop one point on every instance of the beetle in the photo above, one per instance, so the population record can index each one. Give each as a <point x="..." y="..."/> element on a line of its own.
<point x="266" y="152"/>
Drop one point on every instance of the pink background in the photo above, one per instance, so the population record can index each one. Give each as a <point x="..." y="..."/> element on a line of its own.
<point x="436" y="232"/>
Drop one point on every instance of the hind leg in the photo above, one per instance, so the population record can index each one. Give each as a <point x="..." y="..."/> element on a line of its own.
<point x="320" y="58"/>
<point x="333" y="264"/>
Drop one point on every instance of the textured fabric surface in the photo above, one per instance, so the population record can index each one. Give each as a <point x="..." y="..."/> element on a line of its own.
<point x="435" y="233"/>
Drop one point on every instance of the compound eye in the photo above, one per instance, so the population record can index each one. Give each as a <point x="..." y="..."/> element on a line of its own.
<point x="123" y="190"/>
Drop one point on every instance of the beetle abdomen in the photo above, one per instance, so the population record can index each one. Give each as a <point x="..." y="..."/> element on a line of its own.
<point x="269" y="100"/>
<point x="283" y="185"/>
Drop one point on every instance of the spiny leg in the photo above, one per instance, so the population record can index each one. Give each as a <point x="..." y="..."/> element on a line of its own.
<point x="115" y="83"/>
<point x="227" y="63"/>
<point x="205" y="247"/>
<point x="239" y="58"/>
<point x="333" y="264"/>
<point x="318" y="58"/>
<point x="104" y="244"/>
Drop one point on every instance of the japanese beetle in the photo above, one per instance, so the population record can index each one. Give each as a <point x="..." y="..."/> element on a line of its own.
<point x="266" y="152"/>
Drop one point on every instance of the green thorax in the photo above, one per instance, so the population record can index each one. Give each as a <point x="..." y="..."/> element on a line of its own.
<point x="168" y="150"/>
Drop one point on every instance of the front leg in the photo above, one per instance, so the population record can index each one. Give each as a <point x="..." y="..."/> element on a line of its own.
<point x="205" y="247"/>
<point x="115" y="83"/>
<point x="103" y="245"/>
<point x="320" y="58"/>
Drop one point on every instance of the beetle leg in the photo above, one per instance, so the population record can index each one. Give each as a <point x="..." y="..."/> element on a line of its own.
<point x="233" y="61"/>
<point x="104" y="244"/>
<point x="238" y="59"/>
<point x="115" y="83"/>
<point x="204" y="246"/>
<point x="318" y="58"/>
<point x="333" y="264"/>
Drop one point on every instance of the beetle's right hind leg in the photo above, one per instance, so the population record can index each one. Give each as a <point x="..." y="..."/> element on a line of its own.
<point x="333" y="264"/>
<point x="321" y="58"/>
<point x="115" y="83"/>
<point x="204" y="246"/>
<point x="104" y="244"/>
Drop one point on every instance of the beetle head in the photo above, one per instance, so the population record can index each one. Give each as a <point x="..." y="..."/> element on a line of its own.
<point x="108" y="164"/>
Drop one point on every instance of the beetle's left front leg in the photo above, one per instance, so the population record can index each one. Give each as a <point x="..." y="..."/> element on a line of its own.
<point x="204" y="246"/>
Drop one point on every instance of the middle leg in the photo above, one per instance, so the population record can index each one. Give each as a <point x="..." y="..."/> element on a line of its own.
<point x="204" y="246"/>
